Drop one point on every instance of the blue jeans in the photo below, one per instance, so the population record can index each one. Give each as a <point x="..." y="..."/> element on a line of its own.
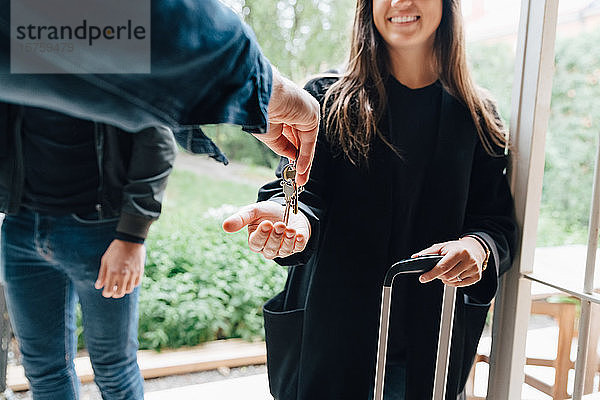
<point x="48" y="264"/>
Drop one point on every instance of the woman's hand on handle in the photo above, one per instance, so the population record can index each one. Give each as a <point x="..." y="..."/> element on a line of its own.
<point x="462" y="264"/>
<point x="267" y="234"/>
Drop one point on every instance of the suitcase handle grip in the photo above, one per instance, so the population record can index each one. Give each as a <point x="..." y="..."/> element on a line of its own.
<point x="416" y="265"/>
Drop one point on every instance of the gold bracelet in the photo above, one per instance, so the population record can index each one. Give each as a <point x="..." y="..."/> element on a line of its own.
<point x="483" y="244"/>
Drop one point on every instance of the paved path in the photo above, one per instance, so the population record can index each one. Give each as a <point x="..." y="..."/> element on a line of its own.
<point x="254" y="387"/>
<point x="235" y="171"/>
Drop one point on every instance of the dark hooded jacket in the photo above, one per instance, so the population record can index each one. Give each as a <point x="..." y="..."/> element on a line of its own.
<point x="133" y="170"/>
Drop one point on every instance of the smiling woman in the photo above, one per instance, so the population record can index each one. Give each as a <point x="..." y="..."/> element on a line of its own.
<point x="410" y="161"/>
<point x="416" y="51"/>
<point x="405" y="25"/>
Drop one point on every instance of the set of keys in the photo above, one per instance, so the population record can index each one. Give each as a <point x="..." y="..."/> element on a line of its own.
<point x="291" y="190"/>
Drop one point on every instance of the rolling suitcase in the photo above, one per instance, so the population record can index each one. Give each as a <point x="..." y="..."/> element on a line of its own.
<point x="415" y="266"/>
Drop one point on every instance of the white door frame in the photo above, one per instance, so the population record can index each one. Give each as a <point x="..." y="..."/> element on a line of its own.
<point x="532" y="91"/>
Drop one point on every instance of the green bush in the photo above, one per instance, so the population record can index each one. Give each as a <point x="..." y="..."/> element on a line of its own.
<point x="201" y="283"/>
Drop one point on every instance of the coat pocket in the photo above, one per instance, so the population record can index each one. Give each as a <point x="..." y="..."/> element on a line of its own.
<point x="283" y="333"/>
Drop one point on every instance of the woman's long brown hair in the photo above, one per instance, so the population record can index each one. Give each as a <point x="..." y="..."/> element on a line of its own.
<point x="355" y="103"/>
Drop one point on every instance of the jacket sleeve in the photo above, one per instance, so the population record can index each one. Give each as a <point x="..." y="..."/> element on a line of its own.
<point x="315" y="198"/>
<point x="183" y="90"/>
<point x="490" y="215"/>
<point x="152" y="156"/>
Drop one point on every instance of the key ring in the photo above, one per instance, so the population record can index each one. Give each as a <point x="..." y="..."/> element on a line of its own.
<point x="289" y="173"/>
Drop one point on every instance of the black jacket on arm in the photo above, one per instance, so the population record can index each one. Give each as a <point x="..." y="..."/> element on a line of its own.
<point x="321" y="330"/>
<point x="133" y="174"/>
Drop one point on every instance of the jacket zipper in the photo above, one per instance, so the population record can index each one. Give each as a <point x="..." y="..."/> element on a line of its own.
<point x="99" y="139"/>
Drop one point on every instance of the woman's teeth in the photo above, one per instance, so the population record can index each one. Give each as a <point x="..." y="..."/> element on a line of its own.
<point x="403" y="20"/>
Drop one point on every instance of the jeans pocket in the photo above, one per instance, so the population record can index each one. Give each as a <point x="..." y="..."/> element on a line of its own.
<point x="92" y="219"/>
<point x="283" y="332"/>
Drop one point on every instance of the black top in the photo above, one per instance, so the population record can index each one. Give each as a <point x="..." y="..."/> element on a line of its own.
<point x="61" y="166"/>
<point x="413" y="117"/>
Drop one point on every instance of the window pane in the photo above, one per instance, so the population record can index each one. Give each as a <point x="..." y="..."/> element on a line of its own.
<point x="571" y="146"/>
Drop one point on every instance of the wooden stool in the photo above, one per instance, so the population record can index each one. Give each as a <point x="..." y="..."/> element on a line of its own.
<point x="564" y="313"/>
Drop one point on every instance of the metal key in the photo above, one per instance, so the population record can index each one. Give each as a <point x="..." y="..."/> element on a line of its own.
<point x="291" y="190"/>
<point x="289" y="174"/>
<point x="288" y="194"/>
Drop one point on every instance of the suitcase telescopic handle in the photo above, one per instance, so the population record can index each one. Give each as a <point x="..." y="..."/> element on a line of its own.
<point x="417" y="265"/>
<point x="410" y="267"/>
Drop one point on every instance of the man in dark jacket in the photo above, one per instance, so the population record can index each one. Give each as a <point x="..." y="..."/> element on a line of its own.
<point x="79" y="197"/>
<point x="206" y="68"/>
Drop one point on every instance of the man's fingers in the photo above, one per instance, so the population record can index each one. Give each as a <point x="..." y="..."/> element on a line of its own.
<point x="123" y="281"/>
<point x="117" y="287"/>
<point x="292" y="111"/>
<point x="278" y="142"/>
<point x="137" y="280"/>
<point x="283" y="146"/>
<point x="237" y="221"/>
<point x="101" y="276"/>
<point x="129" y="288"/>
<point x="286" y="145"/>
<point x="121" y="289"/>
<point x="305" y="159"/>
<point x="109" y="286"/>
<point x="308" y="141"/>
<point x="274" y="129"/>
<point x="287" y="149"/>
<point x="258" y="238"/>
<point x="290" y="134"/>
<point x="130" y="285"/>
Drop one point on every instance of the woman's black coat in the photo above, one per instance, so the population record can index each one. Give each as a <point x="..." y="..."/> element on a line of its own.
<point x="322" y="329"/>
